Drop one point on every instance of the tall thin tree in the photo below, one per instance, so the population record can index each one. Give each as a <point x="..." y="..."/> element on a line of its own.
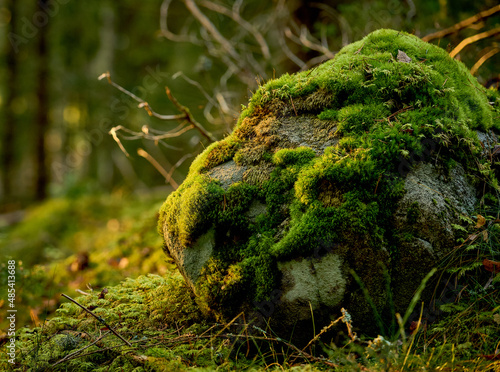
<point x="42" y="175"/>
<point x="7" y="150"/>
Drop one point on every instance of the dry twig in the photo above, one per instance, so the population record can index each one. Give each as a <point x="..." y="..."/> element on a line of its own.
<point x="483" y="59"/>
<point x="184" y="116"/>
<point x="189" y="117"/>
<point x="236" y="17"/>
<point x="304" y="40"/>
<point x="463" y="24"/>
<point x="159" y="168"/>
<point x="74" y="354"/>
<point x="188" y="338"/>
<point x="473" y="39"/>
<point x="98" y="318"/>
<point x="170" y="35"/>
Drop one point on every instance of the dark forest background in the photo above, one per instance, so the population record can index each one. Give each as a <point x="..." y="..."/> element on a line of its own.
<point x="55" y="113"/>
<point x="77" y="213"/>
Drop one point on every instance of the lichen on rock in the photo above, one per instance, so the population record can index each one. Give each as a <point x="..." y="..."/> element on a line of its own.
<point x="318" y="167"/>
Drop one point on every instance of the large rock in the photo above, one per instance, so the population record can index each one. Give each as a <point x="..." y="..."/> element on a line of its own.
<point x="341" y="186"/>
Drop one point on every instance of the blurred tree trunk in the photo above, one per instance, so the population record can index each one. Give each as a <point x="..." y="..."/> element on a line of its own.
<point x="7" y="151"/>
<point x="42" y="116"/>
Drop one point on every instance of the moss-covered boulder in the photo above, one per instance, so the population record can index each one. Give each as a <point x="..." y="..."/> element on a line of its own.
<point x="339" y="187"/>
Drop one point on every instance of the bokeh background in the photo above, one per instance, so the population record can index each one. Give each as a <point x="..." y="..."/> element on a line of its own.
<point x="75" y="211"/>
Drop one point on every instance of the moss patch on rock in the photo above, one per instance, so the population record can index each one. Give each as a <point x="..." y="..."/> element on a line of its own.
<point x="323" y="150"/>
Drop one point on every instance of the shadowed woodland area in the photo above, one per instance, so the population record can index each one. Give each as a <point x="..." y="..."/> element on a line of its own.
<point x="57" y="115"/>
<point x="105" y="105"/>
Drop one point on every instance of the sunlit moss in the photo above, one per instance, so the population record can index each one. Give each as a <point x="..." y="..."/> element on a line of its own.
<point x="195" y="201"/>
<point x="139" y="309"/>
<point x="382" y="108"/>
<point x="94" y="241"/>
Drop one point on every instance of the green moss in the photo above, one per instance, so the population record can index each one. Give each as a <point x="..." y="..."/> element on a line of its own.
<point x="490" y="199"/>
<point x="237" y="200"/>
<point x="220" y="286"/>
<point x="358" y="118"/>
<point x="138" y="309"/>
<point x="64" y="243"/>
<point x="299" y="156"/>
<point x="329" y="114"/>
<point x="219" y="152"/>
<point x="413" y="213"/>
<point x="191" y="209"/>
<point x="384" y="110"/>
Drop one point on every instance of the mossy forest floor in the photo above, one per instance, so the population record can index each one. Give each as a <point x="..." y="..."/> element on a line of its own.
<point x="104" y="252"/>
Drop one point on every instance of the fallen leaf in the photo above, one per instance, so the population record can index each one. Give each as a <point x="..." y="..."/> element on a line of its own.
<point x="34" y="317"/>
<point x="485" y="235"/>
<point x="496" y="318"/>
<point x="492" y="266"/>
<point x="80" y="263"/>
<point x="403" y="57"/>
<point x="415" y="325"/>
<point x="103" y="293"/>
<point x="480" y="221"/>
<point x="140" y="358"/>
<point x="495" y="356"/>
<point x="123" y="263"/>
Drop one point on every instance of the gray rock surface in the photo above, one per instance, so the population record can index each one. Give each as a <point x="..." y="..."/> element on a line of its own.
<point x="433" y="202"/>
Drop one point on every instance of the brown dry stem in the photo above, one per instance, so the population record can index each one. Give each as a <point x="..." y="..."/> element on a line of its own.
<point x="463" y="24"/>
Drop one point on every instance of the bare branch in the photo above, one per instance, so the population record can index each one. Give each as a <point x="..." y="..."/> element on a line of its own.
<point x="209" y="26"/>
<point x="189" y="117"/>
<point x="483" y="59"/>
<point x="167" y="33"/>
<point x="142" y="104"/>
<point x="223" y="104"/>
<point x="145" y="132"/>
<point x="289" y="53"/>
<point x="473" y="39"/>
<point x="117" y="140"/>
<point x="461" y="25"/>
<point x="98" y="318"/>
<point x="235" y="16"/>
<point x="258" y="67"/>
<point x="186" y="114"/>
<point x="243" y="53"/>
<point x="159" y="168"/>
<point x="74" y="353"/>
<point x="179" y="163"/>
<point x="344" y="26"/>
<point x="302" y="39"/>
<point x="196" y="84"/>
